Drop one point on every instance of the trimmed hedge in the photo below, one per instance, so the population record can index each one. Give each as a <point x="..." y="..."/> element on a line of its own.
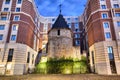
<point x="62" y="66"/>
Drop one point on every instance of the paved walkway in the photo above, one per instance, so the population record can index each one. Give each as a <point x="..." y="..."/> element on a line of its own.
<point x="61" y="77"/>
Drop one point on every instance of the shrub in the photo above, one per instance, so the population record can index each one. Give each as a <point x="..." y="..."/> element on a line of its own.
<point x="64" y="66"/>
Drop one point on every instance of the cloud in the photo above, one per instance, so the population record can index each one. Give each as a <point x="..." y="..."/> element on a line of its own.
<point x="69" y="7"/>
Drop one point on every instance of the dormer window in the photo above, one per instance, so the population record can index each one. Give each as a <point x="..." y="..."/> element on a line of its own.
<point x="58" y="32"/>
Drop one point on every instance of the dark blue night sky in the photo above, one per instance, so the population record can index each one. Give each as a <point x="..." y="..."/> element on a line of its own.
<point x="69" y="7"/>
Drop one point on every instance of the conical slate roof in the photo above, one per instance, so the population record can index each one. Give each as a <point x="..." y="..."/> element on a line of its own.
<point x="60" y="23"/>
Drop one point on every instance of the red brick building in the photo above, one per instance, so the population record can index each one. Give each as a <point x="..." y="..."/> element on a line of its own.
<point x="101" y="19"/>
<point x="19" y="36"/>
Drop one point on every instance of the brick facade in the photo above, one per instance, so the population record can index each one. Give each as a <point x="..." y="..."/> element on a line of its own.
<point x="97" y="38"/>
<point x="26" y="38"/>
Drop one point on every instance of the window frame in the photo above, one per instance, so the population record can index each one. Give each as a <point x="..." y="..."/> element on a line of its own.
<point x="114" y="6"/>
<point x="16" y="27"/>
<point x="18" y="18"/>
<point x="13" y="38"/>
<point x="106" y="27"/>
<point x="108" y="36"/>
<point x="17" y="10"/>
<point x="6" y="10"/>
<point x="1" y="37"/>
<point x="7" y="2"/>
<point x="110" y="52"/>
<point x="10" y="55"/>
<point x="76" y="42"/>
<point x="18" y="2"/>
<point x="4" y="18"/>
<point x="117" y="15"/>
<point x="105" y="6"/>
<point x="118" y="23"/>
<point x="103" y="16"/>
<point x="3" y="27"/>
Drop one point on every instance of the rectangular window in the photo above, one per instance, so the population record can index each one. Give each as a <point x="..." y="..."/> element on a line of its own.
<point x="17" y="10"/>
<point x="77" y="30"/>
<point x="2" y="27"/>
<point x="28" y="57"/>
<point x="76" y="19"/>
<point x="15" y="27"/>
<point x="4" y="18"/>
<point x="110" y="53"/>
<point x="69" y="24"/>
<point x="7" y="2"/>
<point x="104" y="16"/>
<point x="116" y="5"/>
<point x="19" y="1"/>
<point x="117" y="14"/>
<point x="1" y="36"/>
<point x="77" y="42"/>
<point x="32" y="58"/>
<point x="68" y="19"/>
<point x="118" y="23"/>
<point x="58" y="32"/>
<point x="53" y="20"/>
<point x="16" y="18"/>
<point x="103" y="6"/>
<point x="6" y="9"/>
<point x="106" y="25"/>
<point x="93" y="60"/>
<point x="13" y="37"/>
<point x="107" y="35"/>
<point x="76" y="25"/>
<point x="77" y="35"/>
<point x="10" y="55"/>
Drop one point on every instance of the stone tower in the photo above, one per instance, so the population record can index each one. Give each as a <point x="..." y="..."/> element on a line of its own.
<point x="60" y="40"/>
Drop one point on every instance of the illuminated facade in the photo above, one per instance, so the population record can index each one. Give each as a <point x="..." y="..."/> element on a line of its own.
<point x="60" y="41"/>
<point x="101" y="19"/>
<point x="19" y="36"/>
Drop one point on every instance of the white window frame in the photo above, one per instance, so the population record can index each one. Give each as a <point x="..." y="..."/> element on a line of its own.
<point x="117" y="23"/>
<point x="108" y="24"/>
<point x="6" y="7"/>
<point x="104" y="13"/>
<point x="20" y="3"/>
<point x="16" y="8"/>
<point x="16" y="27"/>
<point x="4" y="16"/>
<point x="116" y="13"/>
<point x="110" y="35"/>
<point x="69" y="25"/>
<point x="2" y="37"/>
<point x="105" y="6"/>
<point x="11" y="37"/>
<point x="115" y="7"/>
<point x="15" y="16"/>
<point x="9" y="2"/>
<point x="3" y="25"/>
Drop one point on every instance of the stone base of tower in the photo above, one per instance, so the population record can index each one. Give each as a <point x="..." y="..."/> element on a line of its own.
<point x="99" y="58"/>
<point x="62" y="47"/>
